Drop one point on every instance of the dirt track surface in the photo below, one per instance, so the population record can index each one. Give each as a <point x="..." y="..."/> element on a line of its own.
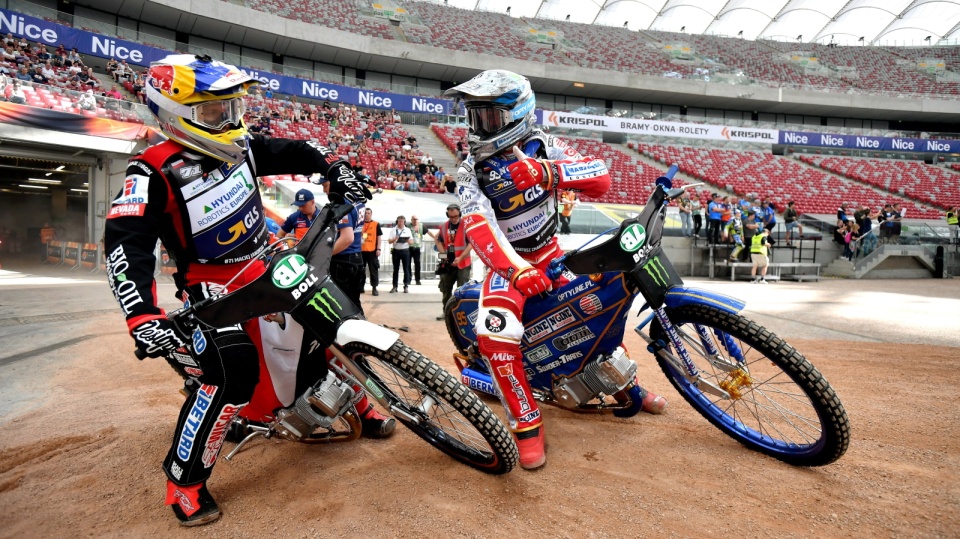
<point x="84" y="428"/>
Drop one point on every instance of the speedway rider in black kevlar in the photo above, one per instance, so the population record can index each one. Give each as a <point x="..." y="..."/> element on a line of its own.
<point x="197" y="193"/>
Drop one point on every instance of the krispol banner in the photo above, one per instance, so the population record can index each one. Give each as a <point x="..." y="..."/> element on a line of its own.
<point x="573" y="120"/>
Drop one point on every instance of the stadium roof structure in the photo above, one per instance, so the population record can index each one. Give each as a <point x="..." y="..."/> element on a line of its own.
<point x="852" y="22"/>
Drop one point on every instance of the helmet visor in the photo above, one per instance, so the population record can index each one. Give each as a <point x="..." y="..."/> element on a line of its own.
<point x="218" y="114"/>
<point x="488" y="120"/>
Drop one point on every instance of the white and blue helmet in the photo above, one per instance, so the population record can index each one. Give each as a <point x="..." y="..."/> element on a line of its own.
<point x="500" y="110"/>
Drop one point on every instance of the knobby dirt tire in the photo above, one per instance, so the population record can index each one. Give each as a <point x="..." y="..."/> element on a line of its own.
<point x="460" y="424"/>
<point x="788" y="411"/>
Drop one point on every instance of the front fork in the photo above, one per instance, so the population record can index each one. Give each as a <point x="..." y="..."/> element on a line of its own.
<point x="682" y="362"/>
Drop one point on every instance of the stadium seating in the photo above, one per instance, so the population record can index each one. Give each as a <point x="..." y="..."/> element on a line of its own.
<point x="778" y="179"/>
<point x="847" y="69"/>
<point x="926" y="183"/>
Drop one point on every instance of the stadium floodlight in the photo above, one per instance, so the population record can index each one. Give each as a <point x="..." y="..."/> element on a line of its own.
<point x="800" y="37"/>
<point x="42" y="180"/>
<point x="568" y="17"/>
<point x="740" y="33"/>
<point x="508" y="9"/>
<point x="927" y="39"/>
<point x="625" y="23"/>
<point x="683" y="28"/>
<point x="32" y="186"/>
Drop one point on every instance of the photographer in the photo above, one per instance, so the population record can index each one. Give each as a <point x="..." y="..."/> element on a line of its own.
<point x="454" y="251"/>
<point x="400" y="239"/>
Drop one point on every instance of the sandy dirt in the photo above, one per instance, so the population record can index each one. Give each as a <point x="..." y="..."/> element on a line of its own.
<point x="86" y="426"/>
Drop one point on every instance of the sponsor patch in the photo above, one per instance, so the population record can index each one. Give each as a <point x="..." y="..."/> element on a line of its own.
<point x="538" y="354"/>
<point x="578" y="336"/>
<point x="495" y="322"/>
<point x="590" y="304"/>
<point x="559" y="361"/>
<point x="125" y="210"/>
<point x="175" y="471"/>
<point x="193" y="371"/>
<point x="526" y="409"/>
<point x="537" y="331"/>
<point x="583" y="171"/>
<point x="183" y="357"/>
<point x="498" y="283"/>
<point x="562" y="318"/>
<point x="199" y="341"/>
<point x="218" y="433"/>
<point x="188" y="436"/>
<point x="135" y="190"/>
<point x="567" y="294"/>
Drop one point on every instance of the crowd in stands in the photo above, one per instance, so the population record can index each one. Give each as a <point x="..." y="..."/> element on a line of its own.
<point x="54" y="78"/>
<point x="374" y="142"/>
<point x="885" y="70"/>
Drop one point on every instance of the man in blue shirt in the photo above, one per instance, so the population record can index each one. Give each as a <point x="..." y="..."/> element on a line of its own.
<point x="769" y="216"/>
<point x="713" y="219"/>
<point x="299" y="221"/>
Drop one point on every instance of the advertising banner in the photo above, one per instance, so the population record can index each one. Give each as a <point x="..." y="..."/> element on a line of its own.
<point x="572" y="120"/>
<point x="53" y="34"/>
<point x="863" y="142"/>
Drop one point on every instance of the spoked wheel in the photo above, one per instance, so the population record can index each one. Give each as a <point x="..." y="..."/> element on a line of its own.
<point x="437" y="407"/>
<point x="779" y="403"/>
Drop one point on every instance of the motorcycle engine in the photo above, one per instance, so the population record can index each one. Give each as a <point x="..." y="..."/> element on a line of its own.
<point x="608" y="375"/>
<point x="318" y="407"/>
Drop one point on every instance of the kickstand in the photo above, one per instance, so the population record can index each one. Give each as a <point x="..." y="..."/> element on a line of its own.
<point x="243" y="442"/>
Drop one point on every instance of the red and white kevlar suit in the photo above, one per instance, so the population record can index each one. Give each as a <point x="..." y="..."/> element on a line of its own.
<point x="514" y="231"/>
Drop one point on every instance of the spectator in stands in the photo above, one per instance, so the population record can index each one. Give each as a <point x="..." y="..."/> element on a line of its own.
<point x="696" y="213"/>
<point x="842" y="213"/>
<point x="121" y="72"/>
<point x="953" y="223"/>
<point x="886" y="224"/>
<point x="87" y="101"/>
<point x="37" y="76"/>
<point x="114" y="93"/>
<point x="47" y="70"/>
<point x="111" y="66"/>
<point x="8" y="54"/>
<point x="735" y="233"/>
<point x="16" y="94"/>
<point x="4" y="80"/>
<point x="73" y="58"/>
<point x="758" y="253"/>
<point x="9" y="40"/>
<point x="43" y="55"/>
<point x="23" y="75"/>
<point x="850" y="239"/>
<point x="769" y="215"/>
<point x="411" y="185"/>
<point x="898" y="215"/>
<point x="686" y="221"/>
<point x="868" y="239"/>
<point x="714" y="214"/>
<point x="792" y="219"/>
<point x="448" y="184"/>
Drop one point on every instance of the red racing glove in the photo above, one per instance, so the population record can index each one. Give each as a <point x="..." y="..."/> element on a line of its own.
<point x="527" y="172"/>
<point x="531" y="282"/>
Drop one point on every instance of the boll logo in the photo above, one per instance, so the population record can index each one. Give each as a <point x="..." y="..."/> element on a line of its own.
<point x="290" y="272"/>
<point x="632" y="238"/>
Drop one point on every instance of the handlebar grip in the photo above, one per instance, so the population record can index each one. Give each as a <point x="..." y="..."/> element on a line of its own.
<point x="141" y="355"/>
<point x="672" y="171"/>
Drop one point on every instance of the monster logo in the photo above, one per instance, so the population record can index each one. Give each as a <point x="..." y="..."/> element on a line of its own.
<point x="656" y="271"/>
<point x="322" y="300"/>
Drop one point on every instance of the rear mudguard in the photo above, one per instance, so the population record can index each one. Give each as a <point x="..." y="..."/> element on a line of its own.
<point x="379" y="337"/>
<point x="681" y="296"/>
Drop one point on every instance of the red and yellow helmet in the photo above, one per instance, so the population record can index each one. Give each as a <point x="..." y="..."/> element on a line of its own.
<point x="198" y="102"/>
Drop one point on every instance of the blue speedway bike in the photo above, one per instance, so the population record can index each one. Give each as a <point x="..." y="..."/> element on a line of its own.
<point x="745" y="380"/>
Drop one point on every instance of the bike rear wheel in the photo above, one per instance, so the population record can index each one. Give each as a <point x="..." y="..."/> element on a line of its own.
<point x="780" y="403"/>
<point x="437" y="407"/>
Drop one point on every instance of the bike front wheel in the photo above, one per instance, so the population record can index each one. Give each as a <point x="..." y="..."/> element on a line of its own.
<point x="436" y="406"/>
<point x="778" y="404"/>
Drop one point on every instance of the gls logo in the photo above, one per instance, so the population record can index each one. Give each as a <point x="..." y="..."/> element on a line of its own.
<point x="521" y="199"/>
<point x="241" y="227"/>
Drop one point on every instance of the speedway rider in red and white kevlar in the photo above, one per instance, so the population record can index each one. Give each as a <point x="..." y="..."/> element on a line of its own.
<point x="511" y="218"/>
<point x="197" y="193"/>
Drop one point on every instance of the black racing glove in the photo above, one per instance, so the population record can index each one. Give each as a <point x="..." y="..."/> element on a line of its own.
<point x="158" y="337"/>
<point x="348" y="186"/>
